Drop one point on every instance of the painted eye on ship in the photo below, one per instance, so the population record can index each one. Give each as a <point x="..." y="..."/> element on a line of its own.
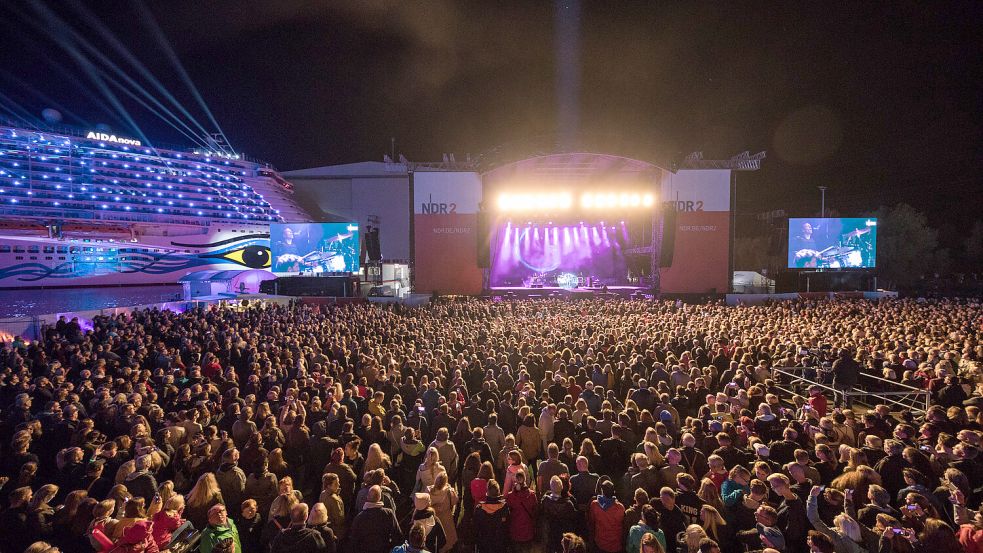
<point x="254" y="257"/>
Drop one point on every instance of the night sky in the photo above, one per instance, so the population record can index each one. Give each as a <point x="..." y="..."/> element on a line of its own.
<point x="881" y="102"/>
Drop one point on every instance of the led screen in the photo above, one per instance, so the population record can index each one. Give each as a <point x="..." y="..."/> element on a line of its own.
<point x="312" y="248"/>
<point x="840" y="243"/>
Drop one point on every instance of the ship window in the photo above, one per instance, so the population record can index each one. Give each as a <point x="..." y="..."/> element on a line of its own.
<point x="48" y="258"/>
<point x="62" y="249"/>
<point x="33" y="249"/>
<point x="74" y="249"/>
<point x="34" y="257"/>
<point x="49" y="249"/>
<point x="62" y="258"/>
<point x="18" y="249"/>
<point x="19" y="257"/>
<point x="4" y="249"/>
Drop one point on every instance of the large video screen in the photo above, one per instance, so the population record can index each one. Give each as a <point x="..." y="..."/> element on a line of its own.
<point x="840" y="243"/>
<point x="564" y="256"/>
<point x="312" y="248"/>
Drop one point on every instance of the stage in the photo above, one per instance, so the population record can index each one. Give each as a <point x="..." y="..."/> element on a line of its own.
<point x="557" y="292"/>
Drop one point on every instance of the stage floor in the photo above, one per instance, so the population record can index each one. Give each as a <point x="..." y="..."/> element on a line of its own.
<point x="525" y="292"/>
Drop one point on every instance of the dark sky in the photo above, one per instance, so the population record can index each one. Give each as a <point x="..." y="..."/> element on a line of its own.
<point x="879" y="101"/>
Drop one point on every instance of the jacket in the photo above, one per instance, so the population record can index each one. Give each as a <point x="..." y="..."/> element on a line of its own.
<point x="214" y="534"/>
<point x="138" y="539"/>
<point x="530" y="441"/>
<point x="491" y="524"/>
<point x="605" y="518"/>
<point x="374" y="530"/>
<point x="733" y="493"/>
<point x="142" y="484"/>
<point x="560" y="515"/>
<point x="583" y="488"/>
<point x="164" y="526"/>
<point x="263" y="488"/>
<point x="299" y="539"/>
<point x="232" y="482"/>
<point x="638" y="532"/>
<point x="447" y="454"/>
<point x="522" y="510"/>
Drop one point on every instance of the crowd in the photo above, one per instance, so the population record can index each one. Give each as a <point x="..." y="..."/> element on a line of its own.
<point x="557" y="426"/>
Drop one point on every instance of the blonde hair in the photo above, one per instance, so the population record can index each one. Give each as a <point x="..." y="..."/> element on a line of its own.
<point x="847" y="527"/>
<point x="376" y="459"/>
<point x="710" y="494"/>
<point x="205" y="491"/>
<point x="174" y="503"/>
<point x="712" y="522"/>
<point x="318" y="514"/>
<point x="694" y="533"/>
<point x="282" y="504"/>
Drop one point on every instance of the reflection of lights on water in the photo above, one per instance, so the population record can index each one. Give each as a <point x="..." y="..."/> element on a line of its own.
<point x="567" y="281"/>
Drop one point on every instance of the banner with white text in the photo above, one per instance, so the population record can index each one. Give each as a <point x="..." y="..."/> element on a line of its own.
<point x="445" y="223"/>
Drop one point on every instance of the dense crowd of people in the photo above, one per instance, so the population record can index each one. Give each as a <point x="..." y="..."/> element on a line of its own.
<point x="473" y="425"/>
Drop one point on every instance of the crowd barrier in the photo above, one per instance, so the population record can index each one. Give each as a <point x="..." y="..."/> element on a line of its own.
<point x="870" y="390"/>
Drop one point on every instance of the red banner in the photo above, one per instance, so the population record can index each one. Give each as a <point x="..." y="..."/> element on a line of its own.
<point x="701" y="254"/>
<point x="447" y="254"/>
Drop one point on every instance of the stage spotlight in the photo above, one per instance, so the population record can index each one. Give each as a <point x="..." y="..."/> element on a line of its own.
<point x="587" y="201"/>
<point x="648" y="200"/>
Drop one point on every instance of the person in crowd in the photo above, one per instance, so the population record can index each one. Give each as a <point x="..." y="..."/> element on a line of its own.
<point x="424" y="515"/>
<point x="523" y="512"/>
<point x="298" y="537"/>
<point x="375" y="529"/>
<point x="559" y="514"/>
<point x="220" y="529"/>
<point x="491" y="521"/>
<point x="265" y="408"/>
<point x="648" y="524"/>
<point x="249" y="524"/>
<point x="605" y="519"/>
<point x="443" y="500"/>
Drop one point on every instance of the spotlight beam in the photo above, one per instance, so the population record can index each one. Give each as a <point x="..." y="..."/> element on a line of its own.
<point x="135" y="63"/>
<point x="165" y="45"/>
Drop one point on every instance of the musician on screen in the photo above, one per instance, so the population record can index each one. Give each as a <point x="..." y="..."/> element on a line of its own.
<point x="290" y="250"/>
<point x="805" y="248"/>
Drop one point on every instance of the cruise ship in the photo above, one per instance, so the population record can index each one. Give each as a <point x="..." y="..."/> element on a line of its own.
<point x="91" y="208"/>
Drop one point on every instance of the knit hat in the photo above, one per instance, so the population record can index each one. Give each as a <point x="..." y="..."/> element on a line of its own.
<point x="665" y="415"/>
<point x="774" y="536"/>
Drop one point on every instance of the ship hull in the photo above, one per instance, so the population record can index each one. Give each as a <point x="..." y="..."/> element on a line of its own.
<point x="39" y="262"/>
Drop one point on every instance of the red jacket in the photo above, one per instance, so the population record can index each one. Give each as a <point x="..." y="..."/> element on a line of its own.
<point x="605" y="525"/>
<point x="522" y="508"/>
<point x="164" y="526"/>
<point x="137" y="539"/>
<point x="971" y="538"/>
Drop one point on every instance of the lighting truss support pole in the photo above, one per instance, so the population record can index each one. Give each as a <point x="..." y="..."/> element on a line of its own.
<point x="822" y="212"/>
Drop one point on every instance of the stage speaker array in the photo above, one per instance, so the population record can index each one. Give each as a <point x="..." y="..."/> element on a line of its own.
<point x="484" y="240"/>
<point x="668" y="237"/>
<point x="372" y="246"/>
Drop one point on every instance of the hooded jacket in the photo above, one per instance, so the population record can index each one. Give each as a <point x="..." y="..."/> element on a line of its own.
<point x="164" y="526"/>
<point x="232" y="481"/>
<point x="606" y="516"/>
<point x="137" y="539"/>
<point x="491" y="525"/>
<point x="522" y="506"/>
<point x="299" y="539"/>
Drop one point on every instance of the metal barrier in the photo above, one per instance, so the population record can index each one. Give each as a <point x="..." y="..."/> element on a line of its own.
<point x="871" y="390"/>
